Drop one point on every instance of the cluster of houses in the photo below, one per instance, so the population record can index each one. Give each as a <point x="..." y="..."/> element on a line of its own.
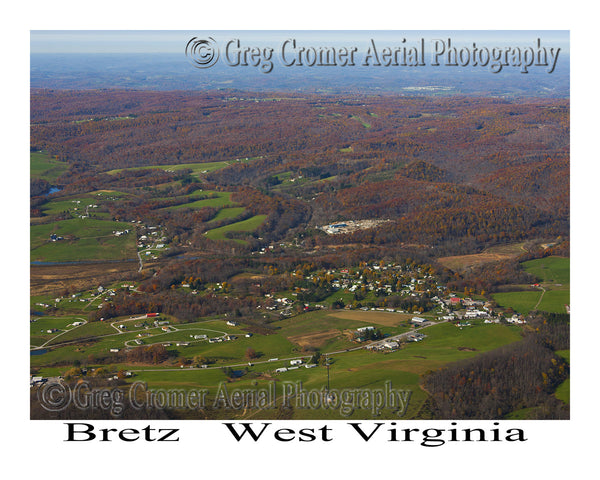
<point x="150" y="237"/>
<point x="281" y="302"/>
<point x="516" y="318"/>
<point x="294" y="365"/>
<point x="87" y="207"/>
<point x="417" y="280"/>
<point x="388" y="345"/>
<point x="474" y="309"/>
<point x="224" y="338"/>
<point x="78" y="297"/>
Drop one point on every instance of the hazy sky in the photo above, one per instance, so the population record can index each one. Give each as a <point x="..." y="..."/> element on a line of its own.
<point x="139" y="41"/>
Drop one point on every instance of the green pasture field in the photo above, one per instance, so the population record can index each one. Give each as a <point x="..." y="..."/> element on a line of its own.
<point x="228" y="213"/>
<point x="566" y="354"/>
<point x="216" y="200"/>
<point x="63" y="204"/>
<point x="364" y="124"/>
<point x="359" y="369"/>
<point x="549" y="269"/>
<point x="248" y="225"/>
<point x="90" y="329"/>
<point x="522" y="302"/>
<point x="266" y="346"/>
<point x="43" y="166"/>
<point x="555" y="301"/>
<point x="346" y="297"/>
<point x="80" y="351"/>
<point x="316" y="321"/>
<point x="521" y="414"/>
<point x="286" y="180"/>
<point x="554" y="276"/>
<point x="563" y="391"/>
<point x="92" y="240"/>
<point x="38" y="328"/>
<point x="197" y="168"/>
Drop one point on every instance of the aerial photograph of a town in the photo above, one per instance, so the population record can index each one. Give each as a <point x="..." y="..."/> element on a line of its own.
<point x="299" y="225"/>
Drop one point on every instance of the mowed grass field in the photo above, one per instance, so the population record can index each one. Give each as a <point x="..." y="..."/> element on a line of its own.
<point x="553" y="274"/>
<point x="248" y="225"/>
<point x="42" y="165"/>
<point x="550" y="269"/>
<point x="83" y="239"/>
<point x="522" y="302"/>
<point x="39" y="327"/>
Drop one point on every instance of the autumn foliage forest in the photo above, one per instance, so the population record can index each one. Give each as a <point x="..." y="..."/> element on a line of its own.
<point x="487" y="169"/>
<point x="453" y="175"/>
<point x="445" y="175"/>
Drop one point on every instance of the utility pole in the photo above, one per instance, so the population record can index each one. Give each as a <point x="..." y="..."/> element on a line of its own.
<point x="328" y="398"/>
<point x="327" y="364"/>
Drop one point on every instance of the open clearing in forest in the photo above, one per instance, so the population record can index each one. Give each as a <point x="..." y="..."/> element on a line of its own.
<point x="248" y="225"/>
<point x="493" y="254"/>
<point x="46" y="167"/>
<point x="196" y="168"/>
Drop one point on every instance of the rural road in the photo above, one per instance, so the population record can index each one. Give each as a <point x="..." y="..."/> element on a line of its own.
<point x="66" y="331"/>
<point x="278" y="360"/>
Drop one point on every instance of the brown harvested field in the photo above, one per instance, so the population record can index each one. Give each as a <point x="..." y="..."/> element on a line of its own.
<point x="51" y="279"/>
<point x="387" y="319"/>
<point x="316" y="339"/>
<point x="246" y="276"/>
<point x="493" y="254"/>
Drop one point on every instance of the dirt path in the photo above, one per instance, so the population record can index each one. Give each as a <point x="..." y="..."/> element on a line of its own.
<point x="540" y="299"/>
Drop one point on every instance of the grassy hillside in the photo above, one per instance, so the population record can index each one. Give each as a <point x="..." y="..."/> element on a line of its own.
<point x="83" y="239"/>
